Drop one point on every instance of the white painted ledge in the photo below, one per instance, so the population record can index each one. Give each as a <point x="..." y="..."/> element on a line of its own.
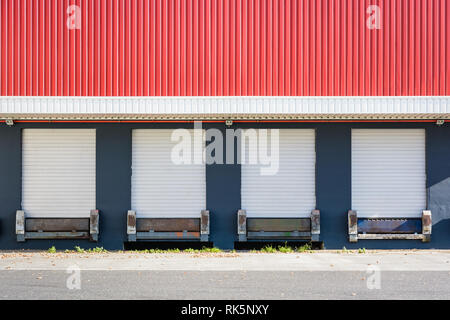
<point x="219" y="108"/>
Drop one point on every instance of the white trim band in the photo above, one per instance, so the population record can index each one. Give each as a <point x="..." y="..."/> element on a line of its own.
<point x="204" y="108"/>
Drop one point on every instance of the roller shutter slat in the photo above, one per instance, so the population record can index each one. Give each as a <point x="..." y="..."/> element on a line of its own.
<point x="290" y="192"/>
<point x="160" y="188"/>
<point x="58" y="172"/>
<point x="388" y="172"/>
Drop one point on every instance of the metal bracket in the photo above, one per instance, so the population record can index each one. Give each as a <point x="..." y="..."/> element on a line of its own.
<point x="91" y="234"/>
<point x="425" y="236"/>
<point x="159" y="235"/>
<point x="133" y="235"/>
<point x="280" y="235"/>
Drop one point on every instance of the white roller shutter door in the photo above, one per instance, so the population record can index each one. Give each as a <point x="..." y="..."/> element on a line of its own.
<point x="291" y="191"/>
<point x="58" y="172"/>
<point x="388" y="172"/>
<point x="159" y="187"/>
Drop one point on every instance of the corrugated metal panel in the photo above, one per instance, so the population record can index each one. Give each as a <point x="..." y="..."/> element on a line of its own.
<point x="159" y="186"/>
<point x="388" y="172"/>
<point x="225" y="108"/>
<point x="291" y="191"/>
<point x="58" y="172"/>
<point x="224" y="48"/>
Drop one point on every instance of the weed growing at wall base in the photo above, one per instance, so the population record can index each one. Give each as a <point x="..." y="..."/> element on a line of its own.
<point x="285" y="249"/>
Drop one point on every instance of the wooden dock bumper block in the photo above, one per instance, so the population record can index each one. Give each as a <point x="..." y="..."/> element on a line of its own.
<point x="168" y="228"/>
<point x="131" y="225"/>
<point x="242" y="225"/>
<point x="315" y="225"/>
<point x="20" y="225"/>
<point x="204" y="226"/>
<point x="352" y="226"/>
<point x="426" y="225"/>
<point x="389" y="228"/>
<point x="93" y="225"/>
<point x="57" y="228"/>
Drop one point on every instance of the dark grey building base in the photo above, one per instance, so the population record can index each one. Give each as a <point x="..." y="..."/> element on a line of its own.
<point x="333" y="184"/>
<point x="166" y="244"/>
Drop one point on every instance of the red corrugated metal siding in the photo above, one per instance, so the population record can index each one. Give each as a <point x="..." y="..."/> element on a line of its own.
<point x="224" y="47"/>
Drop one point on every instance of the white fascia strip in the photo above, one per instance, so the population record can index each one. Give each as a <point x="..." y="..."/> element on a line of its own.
<point x="220" y="108"/>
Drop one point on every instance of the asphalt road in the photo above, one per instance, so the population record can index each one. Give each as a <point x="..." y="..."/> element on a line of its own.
<point x="224" y="285"/>
<point x="226" y="276"/>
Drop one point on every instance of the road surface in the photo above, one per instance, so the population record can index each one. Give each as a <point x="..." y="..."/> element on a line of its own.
<point x="225" y="276"/>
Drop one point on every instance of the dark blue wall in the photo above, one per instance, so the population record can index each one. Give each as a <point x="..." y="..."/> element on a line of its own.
<point x="10" y="183"/>
<point x="438" y="183"/>
<point x="333" y="181"/>
<point x="113" y="184"/>
<point x="333" y="146"/>
<point x="223" y="198"/>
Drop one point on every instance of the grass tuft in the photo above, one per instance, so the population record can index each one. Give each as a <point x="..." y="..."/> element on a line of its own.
<point x="305" y="248"/>
<point x="284" y="249"/>
<point x="51" y="250"/>
<point x="176" y="250"/>
<point x="269" y="249"/>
